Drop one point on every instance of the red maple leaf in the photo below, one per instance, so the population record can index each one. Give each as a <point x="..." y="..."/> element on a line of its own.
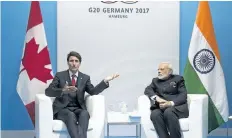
<point x="34" y="62"/>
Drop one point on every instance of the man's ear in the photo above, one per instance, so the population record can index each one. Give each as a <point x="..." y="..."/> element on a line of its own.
<point x="170" y="71"/>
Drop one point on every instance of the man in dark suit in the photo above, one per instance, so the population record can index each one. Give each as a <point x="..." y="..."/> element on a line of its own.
<point x="168" y="97"/>
<point x="69" y="88"/>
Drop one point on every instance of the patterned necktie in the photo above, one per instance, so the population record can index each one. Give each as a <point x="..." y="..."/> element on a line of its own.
<point x="73" y="80"/>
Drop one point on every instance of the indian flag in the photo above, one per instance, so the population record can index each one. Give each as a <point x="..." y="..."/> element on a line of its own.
<point x="203" y="72"/>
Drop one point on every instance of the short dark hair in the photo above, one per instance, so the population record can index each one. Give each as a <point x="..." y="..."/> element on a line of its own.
<point x="75" y="54"/>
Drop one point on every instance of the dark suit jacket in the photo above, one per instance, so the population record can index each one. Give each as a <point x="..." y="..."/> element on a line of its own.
<point x="83" y="84"/>
<point x="172" y="89"/>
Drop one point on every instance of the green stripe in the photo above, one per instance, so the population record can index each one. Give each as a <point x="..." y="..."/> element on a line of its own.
<point x="214" y="117"/>
<point x="195" y="86"/>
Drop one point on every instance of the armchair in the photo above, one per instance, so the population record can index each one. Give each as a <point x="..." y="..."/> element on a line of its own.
<point x="195" y="126"/>
<point x="46" y="127"/>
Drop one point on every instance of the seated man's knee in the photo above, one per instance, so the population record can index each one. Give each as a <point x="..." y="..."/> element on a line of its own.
<point x="85" y="114"/>
<point x="71" y="117"/>
<point x="169" y="112"/>
<point x="155" y="114"/>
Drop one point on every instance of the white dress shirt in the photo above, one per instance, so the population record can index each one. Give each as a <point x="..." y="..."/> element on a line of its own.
<point x="76" y="74"/>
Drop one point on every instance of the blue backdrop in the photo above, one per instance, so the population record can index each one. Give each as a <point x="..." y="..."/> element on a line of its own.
<point x="222" y="21"/>
<point x="14" y="22"/>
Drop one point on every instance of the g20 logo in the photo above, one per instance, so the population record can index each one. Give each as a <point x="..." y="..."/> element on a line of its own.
<point x="126" y="2"/>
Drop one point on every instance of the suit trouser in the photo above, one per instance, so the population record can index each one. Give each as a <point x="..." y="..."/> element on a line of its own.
<point x="167" y="120"/>
<point x="76" y="120"/>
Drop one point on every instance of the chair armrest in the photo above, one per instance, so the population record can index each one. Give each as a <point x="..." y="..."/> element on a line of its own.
<point x="96" y="108"/>
<point x="198" y="115"/>
<point x="144" y="106"/>
<point x="145" y="112"/>
<point x="95" y="105"/>
<point x="43" y="116"/>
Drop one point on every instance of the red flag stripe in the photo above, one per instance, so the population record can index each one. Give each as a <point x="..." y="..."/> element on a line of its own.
<point x="35" y="16"/>
<point x="31" y="110"/>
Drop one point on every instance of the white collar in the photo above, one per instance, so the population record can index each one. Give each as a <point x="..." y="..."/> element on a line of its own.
<point x="70" y="74"/>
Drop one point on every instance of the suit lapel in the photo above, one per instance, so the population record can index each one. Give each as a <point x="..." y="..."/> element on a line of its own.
<point x="68" y="79"/>
<point x="79" y="80"/>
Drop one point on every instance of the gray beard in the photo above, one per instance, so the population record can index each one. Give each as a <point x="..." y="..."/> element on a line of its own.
<point x="163" y="77"/>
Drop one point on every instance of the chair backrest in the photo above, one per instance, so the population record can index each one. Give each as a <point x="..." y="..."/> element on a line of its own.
<point x="87" y="95"/>
<point x="188" y="101"/>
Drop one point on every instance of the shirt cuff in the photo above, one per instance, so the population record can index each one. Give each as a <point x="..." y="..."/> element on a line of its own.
<point x="153" y="97"/>
<point x="106" y="82"/>
<point x="172" y="103"/>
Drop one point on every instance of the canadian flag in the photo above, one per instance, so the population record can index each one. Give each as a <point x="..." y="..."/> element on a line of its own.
<point x="35" y="69"/>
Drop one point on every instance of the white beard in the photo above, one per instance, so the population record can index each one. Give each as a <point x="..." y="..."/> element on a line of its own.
<point x="163" y="77"/>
